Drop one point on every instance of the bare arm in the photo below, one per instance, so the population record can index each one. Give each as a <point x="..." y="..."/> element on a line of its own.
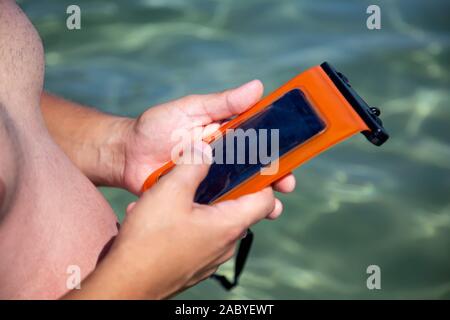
<point x="93" y="140"/>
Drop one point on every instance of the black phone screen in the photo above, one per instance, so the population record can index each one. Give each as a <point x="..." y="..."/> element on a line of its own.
<point x="282" y="126"/>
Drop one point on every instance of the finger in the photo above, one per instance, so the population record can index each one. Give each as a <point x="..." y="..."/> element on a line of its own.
<point x="130" y="207"/>
<point x="229" y="253"/>
<point x="218" y="106"/>
<point x="200" y="133"/>
<point x="285" y="184"/>
<point x="276" y="211"/>
<point x="226" y="256"/>
<point x="249" y="209"/>
<point x="191" y="168"/>
<point x="210" y="129"/>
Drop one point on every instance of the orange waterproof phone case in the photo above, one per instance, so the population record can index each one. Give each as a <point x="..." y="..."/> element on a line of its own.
<point x="310" y="113"/>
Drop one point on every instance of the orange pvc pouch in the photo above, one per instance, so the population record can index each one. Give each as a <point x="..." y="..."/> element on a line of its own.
<point x="307" y="115"/>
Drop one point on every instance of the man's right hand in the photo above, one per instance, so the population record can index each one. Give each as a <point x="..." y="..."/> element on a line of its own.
<point x="168" y="243"/>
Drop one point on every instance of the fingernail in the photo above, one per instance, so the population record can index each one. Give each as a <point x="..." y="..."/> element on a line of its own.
<point x="202" y="153"/>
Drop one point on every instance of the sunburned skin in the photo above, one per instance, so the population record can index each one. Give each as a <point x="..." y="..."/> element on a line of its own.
<point x="51" y="215"/>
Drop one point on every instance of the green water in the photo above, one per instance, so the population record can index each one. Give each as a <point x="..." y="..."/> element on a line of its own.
<point x="355" y="205"/>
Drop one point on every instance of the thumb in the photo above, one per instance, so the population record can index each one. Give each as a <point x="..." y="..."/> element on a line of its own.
<point x="190" y="170"/>
<point x="222" y="105"/>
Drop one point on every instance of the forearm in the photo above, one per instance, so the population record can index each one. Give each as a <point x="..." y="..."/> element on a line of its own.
<point x="91" y="139"/>
<point x="117" y="278"/>
<point x="107" y="282"/>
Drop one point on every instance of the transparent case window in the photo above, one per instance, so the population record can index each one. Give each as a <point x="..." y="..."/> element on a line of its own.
<point x="296" y="121"/>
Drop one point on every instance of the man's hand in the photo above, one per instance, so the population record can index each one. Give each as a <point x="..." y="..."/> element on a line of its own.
<point x="123" y="152"/>
<point x="168" y="243"/>
<point x="148" y="141"/>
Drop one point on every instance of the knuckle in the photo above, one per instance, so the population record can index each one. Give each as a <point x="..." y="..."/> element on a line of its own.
<point x="226" y="96"/>
<point x="168" y="183"/>
<point x="174" y="181"/>
<point x="234" y="232"/>
<point x="172" y="189"/>
<point x="210" y="272"/>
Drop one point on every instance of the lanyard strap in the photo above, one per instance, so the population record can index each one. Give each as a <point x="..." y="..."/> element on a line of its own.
<point x="241" y="257"/>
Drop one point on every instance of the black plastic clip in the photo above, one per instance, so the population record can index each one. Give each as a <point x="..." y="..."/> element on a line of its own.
<point x="370" y="115"/>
